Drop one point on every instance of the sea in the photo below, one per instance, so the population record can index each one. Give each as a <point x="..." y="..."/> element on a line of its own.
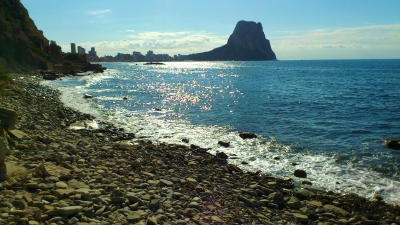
<point x="327" y="117"/>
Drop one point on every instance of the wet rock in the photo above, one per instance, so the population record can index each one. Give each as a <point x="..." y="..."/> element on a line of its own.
<point x="300" y="173"/>
<point x="224" y="144"/>
<point x="247" y="135"/>
<point x="336" y="210"/>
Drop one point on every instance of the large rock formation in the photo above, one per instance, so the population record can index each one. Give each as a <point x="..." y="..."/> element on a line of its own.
<point x="22" y="45"/>
<point x="246" y="43"/>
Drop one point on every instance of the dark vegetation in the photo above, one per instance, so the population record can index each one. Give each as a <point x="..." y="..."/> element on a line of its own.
<point x="22" y="45"/>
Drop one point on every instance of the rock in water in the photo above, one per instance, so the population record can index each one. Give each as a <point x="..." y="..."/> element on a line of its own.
<point x="247" y="135"/>
<point x="393" y="144"/>
<point x="246" y="43"/>
<point x="300" y="173"/>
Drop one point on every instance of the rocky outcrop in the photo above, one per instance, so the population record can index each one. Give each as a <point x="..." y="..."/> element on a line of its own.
<point x="246" y="43"/>
<point x="22" y="45"/>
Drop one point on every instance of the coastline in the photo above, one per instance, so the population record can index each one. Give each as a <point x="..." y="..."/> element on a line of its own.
<point x="93" y="176"/>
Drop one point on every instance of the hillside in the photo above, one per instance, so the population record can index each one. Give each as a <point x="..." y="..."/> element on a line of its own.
<point x="22" y="45"/>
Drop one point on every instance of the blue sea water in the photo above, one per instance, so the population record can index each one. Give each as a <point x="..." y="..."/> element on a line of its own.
<point x="328" y="117"/>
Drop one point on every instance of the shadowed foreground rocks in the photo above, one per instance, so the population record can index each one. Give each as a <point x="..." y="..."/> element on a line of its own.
<point x="98" y="177"/>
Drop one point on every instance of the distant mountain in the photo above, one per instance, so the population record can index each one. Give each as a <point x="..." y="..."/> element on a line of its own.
<point x="246" y="43"/>
<point x="22" y="45"/>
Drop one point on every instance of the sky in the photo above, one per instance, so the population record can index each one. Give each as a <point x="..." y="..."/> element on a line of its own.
<point x="296" y="29"/>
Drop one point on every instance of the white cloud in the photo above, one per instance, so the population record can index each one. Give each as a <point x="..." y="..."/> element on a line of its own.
<point x="377" y="41"/>
<point x="99" y="12"/>
<point x="184" y="42"/>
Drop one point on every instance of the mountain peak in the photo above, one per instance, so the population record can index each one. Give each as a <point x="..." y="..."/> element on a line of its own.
<point x="246" y="43"/>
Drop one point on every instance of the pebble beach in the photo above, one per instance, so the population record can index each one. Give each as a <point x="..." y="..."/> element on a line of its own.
<point x="60" y="174"/>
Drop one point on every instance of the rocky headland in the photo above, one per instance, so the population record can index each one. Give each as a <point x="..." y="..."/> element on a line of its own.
<point x="246" y="43"/>
<point x="59" y="175"/>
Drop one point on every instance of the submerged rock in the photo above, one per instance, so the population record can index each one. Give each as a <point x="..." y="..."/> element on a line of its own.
<point x="393" y="144"/>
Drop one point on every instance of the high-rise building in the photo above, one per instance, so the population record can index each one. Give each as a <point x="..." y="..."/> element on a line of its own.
<point x="81" y="50"/>
<point x="73" y="48"/>
<point x="150" y="56"/>
<point x="93" y="52"/>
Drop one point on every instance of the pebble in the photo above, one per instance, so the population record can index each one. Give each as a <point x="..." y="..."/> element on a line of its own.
<point x="70" y="210"/>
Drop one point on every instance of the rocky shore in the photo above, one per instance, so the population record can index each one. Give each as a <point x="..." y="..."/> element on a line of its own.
<point x="59" y="175"/>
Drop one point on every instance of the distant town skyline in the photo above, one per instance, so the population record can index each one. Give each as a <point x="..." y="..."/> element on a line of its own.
<point x="136" y="56"/>
<point x="306" y="29"/>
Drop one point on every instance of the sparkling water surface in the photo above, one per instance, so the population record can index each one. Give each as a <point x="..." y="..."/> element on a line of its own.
<point x="328" y="117"/>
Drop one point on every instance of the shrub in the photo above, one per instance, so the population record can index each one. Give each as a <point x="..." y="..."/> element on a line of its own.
<point x="68" y="63"/>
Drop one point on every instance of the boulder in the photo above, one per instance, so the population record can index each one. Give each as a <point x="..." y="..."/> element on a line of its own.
<point x="48" y="169"/>
<point x="247" y="135"/>
<point x="221" y="155"/>
<point x="393" y="144"/>
<point x="300" y="173"/>
<point x="277" y="198"/>
<point x="223" y="143"/>
<point x="8" y="118"/>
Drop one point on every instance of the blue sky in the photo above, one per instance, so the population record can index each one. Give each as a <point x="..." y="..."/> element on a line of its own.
<point x="297" y="29"/>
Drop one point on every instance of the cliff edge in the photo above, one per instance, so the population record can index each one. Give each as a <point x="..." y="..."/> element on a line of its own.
<point x="22" y="45"/>
<point x="246" y="43"/>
